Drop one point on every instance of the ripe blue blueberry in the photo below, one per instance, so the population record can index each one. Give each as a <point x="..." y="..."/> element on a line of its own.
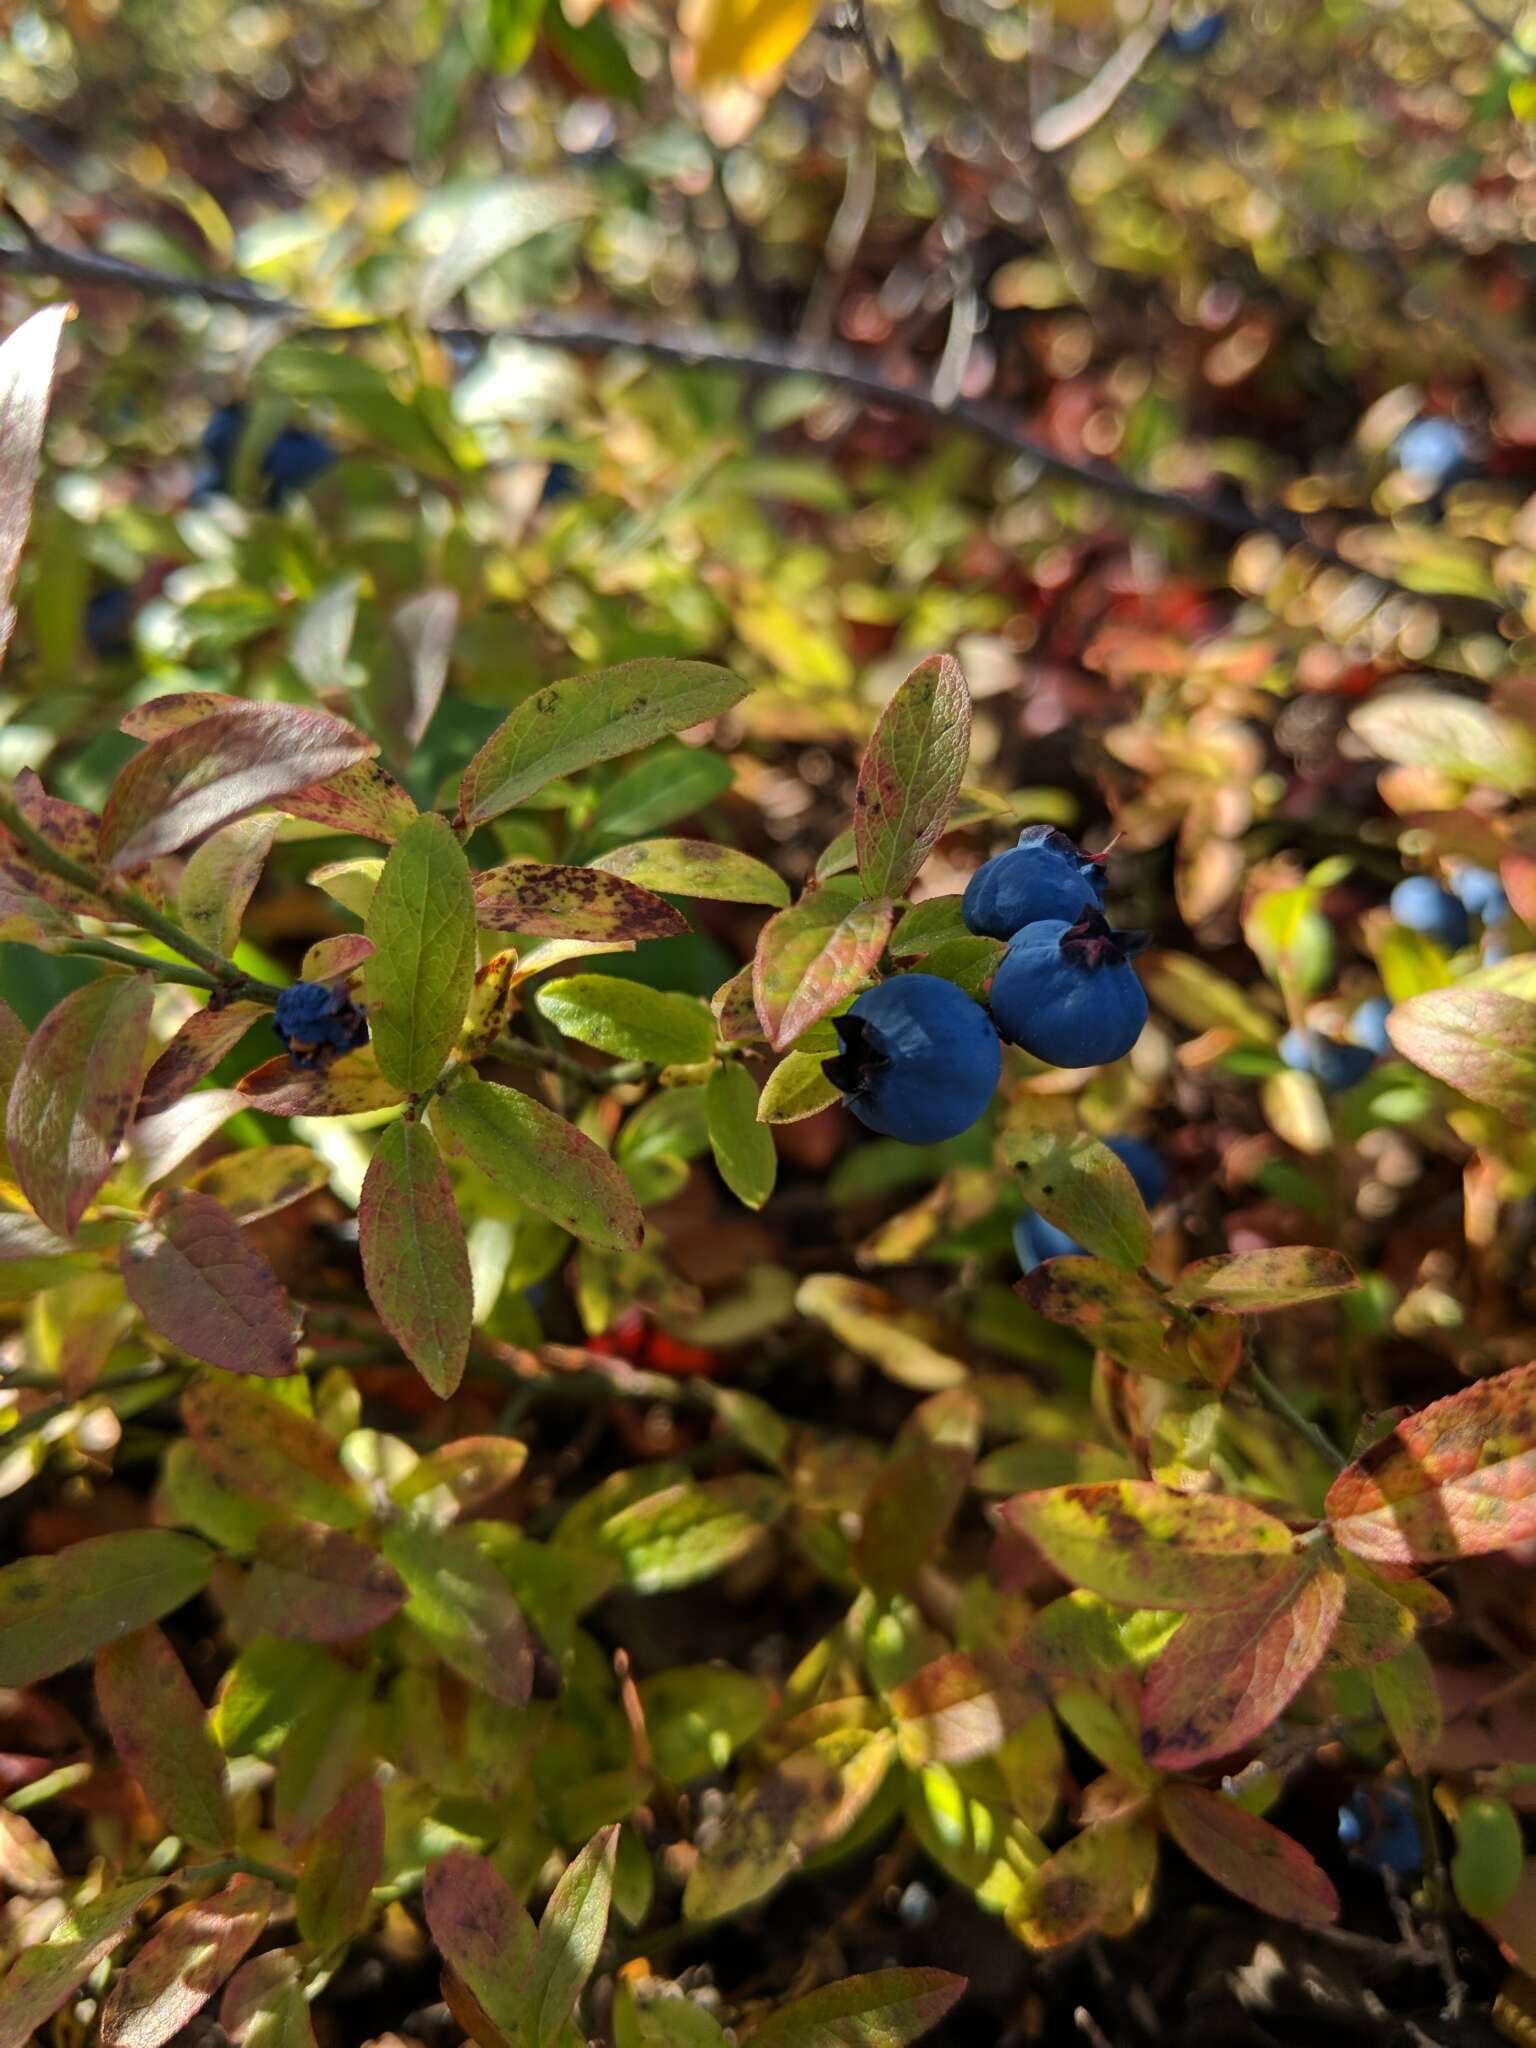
<point x="316" y="1020"/>
<point x="1045" y="875"/>
<point x="291" y="460"/>
<point x="1368" y="1026"/>
<point x="1196" y="37"/>
<point x="108" y="619"/>
<point x="1335" y="1066"/>
<point x="1437" y="450"/>
<point x="1423" y="906"/>
<point x="1379" y="1828"/>
<point x="919" y="1059"/>
<point x="1480" y="891"/>
<point x="1035" y="1240"/>
<point x="1067" y="992"/>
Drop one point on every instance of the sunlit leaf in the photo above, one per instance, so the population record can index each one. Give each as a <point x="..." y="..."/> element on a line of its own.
<point x="1479" y="1041"/>
<point x="342" y="1862"/>
<point x="812" y="957"/>
<point x="415" y="1261"/>
<point x="571" y="903"/>
<point x="1084" y="1189"/>
<point x="544" y="1161"/>
<point x="55" y="1610"/>
<point x="696" y="867"/>
<point x="419" y="976"/>
<point x="191" y="1952"/>
<point x="884" y="2009"/>
<point x="910" y="775"/>
<point x="160" y="1732"/>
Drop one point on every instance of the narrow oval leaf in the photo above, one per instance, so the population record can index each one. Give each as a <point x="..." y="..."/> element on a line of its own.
<point x="315" y="1585"/>
<point x="216" y="770"/>
<point x="193" y="1949"/>
<point x="570" y="903"/>
<point x="264" y="2004"/>
<point x="903" y="1343"/>
<point x="56" y="1610"/>
<point x="350" y="1086"/>
<point x="464" y="1608"/>
<point x="483" y="1931"/>
<point x="681" y="1534"/>
<point x="884" y="2009"/>
<point x="1079" y="1185"/>
<point x="629" y="1020"/>
<point x="196" y="1282"/>
<point x="364" y="800"/>
<point x="1118" y="1312"/>
<point x="544" y="1161"/>
<point x="419" y="976"/>
<point x="1250" y="1283"/>
<point x="571" y="1937"/>
<point x="463" y="1475"/>
<point x="811" y="958"/>
<point x="910" y="775"/>
<point x="1248" y="1857"/>
<point x="415" y="1262"/>
<point x="270" y="1451"/>
<point x="28" y="363"/>
<point x="797" y="1088"/>
<point x="1142" y="1545"/>
<point x="1478" y="1041"/>
<point x="743" y="1147"/>
<point x="45" y="1975"/>
<point x="696" y="867"/>
<point x="1225" y="1677"/>
<point x="342" y="1864"/>
<point x="193" y="1053"/>
<point x="220" y="878"/>
<point x="1410" y="1705"/>
<point x="74" y="1094"/>
<point x="572" y="724"/>
<point x="160" y="1731"/>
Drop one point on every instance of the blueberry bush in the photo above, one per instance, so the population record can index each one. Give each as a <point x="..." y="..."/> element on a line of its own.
<point x="768" y="1026"/>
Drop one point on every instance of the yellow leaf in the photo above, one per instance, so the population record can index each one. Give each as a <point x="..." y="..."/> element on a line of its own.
<point x="748" y="40"/>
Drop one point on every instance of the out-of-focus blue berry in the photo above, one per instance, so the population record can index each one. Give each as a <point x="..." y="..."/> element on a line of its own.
<point x="1422" y="905"/>
<point x="317" y="1020"/>
<point x="1195" y="38"/>
<point x="1480" y="891"/>
<point x="1035" y="1240"/>
<point x="561" y="482"/>
<point x="1379" y="1827"/>
<point x="1435" y="449"/>
<point x="291" y="460"/>
<point x="1045" y="875"/>
<point x="1068" y="993"/>
<point x="919" y="1059"/>
<point x="1334" y="1066"/>
<point x="109" y="619"/>
<point x="1368" y="1026"/>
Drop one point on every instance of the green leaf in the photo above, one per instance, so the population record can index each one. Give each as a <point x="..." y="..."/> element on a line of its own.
<point x="484" y="1933"/>
<point x="744" y="1149"/>
<point x="270" y="1451"/>
<point x="903" y="1343"/>
<point x="1118" y="1312"/>
<point x="1458" y="736"/>
<point x="680" y="1534"/>
<point x="55" y="1610"/>
<point x="1098" y="1881"/>
<point x="812" y="957"/>
<point x="44" y="1975"/>
<point x="160" y="1732"/>
<point x="1247" y="1857"/>
<point x="315" y="1585"/>
<point x="1080" y="1186"/>
<point x="196" y="1281"/>
<point x="415" y="1261"/>
<point x="544" y="1161"/>
<point x="696" y="867"/>
<point x="698" y="1715"/>
<point x="419" y="977"/>
<point x="571" y="725"/>
<point x="193" y="1949"/>
<point x="462" y="1605"/>
<point x="629" y="1020"/>
<point x="1251" y="1283"/>
<point x="957" y="1709"/>
<point x="1409" y="1700"/>
<point x="571" y="1937"/>
<point x="797" y="1088"/>
<point x="264" y="2004"/>
<point x="342" y="1864"/>
<point x="910" y="775"/>
<point x="884" y="2009"/>
<point x="1479" y="1041"/>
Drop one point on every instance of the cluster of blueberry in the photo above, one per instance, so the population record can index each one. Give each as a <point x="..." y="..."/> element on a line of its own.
<point x="919" y="1060"/>
<point x="317" y="1021"/>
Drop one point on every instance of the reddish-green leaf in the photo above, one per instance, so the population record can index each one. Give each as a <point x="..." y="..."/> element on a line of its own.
<point x="415" y="1262"/>
<point x="573" y="724"/>
<point x="1098" y="1882"/>
<point x="1454" y="1480"/>
<point x="885" y="2009"/>
<point x="959" y="1708"/>
<point x="1477" y="1040"/>
<point x="570" y="903"/>
<point x="316" y="1585"/>
<point x="364" y="799"/>
<point x="1225" y="1677"/>
<point x="1248" y="1857"/>
<point x="483" y="1931"/>
<point x="571" y="1934"/>
<point x="1118" y="1312"/>
<point x="464" y="1608"/>
<point x="911" y="774"/>
<point x="189" y="1955"/>
<point x="341" y="1867"/>
<point x="350" y="1086"/>
<point x="1143" y="1545"/>
<point x="220" y="768"/>
<point x="270" y="1451"/>
<point x="812" y="957"/>
<point x="56" y="1610"/>
<point x="696" y="867"/>
<point x="74" y="1094"/>
<point x="264" y="2004"/>
<point x="464" y="1474"/>
<point x="1079" y="1185"/>
<point x="194" y="1052"/>
<point x="262" y="1180"/>
<point x="543" y="1160"/>
<point x="160" y="1731"/>
<point x="45" y="1975"/>
<point x="1249" y="1283"/>
<point x="28" y="361"/>
<point x="906" y="1512"/>
<point x="420" y="973"/>
<point x="1409" y="1699"/>
<point x="195" y="1280"/>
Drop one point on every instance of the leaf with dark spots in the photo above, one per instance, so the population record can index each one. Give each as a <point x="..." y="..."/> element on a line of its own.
<point x="812" y="957"/>
<point x="260" y="1181"/>
<point x="196" y="1281"/>
<point x="570" y="903"/>
<point x="544" y="1161"/>
<point x="342" y="1863"/>
<point x="70" y="830"/>
<point x="696" y="867"/>
<point x="1248" y="1857"/>
<point x="1118" y="1313"/>
<point x="347" y="1087"/>
<point x="484" y="1932"/>
<point x="734" y="1010"/>
<point x="1252" y="1283"/>
<point x="160" y="1732"/>
<point x="364" y="800"/>
<point x="1098" y="1882"/>
<point x="910" y="775"/>
<point x="312" y="1584"/>
<point x="194" y="1052"/>
<point x="55" y="1610"/>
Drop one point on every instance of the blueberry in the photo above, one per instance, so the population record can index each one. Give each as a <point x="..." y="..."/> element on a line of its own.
<point x="561" y="482"/>
<point x="1379" y="1828"/>
<point x="1335" y="1066"/>
<point x="1437" y="450"/>
<point x="1045" y="875"/>
<point x="1196" y="37"/>
<point x="1480" y="891"/>
<point x="1368" y="1026"/>
<point x="1422" y="905"/>
<point x="294" y="458"/>
<point x="316" y="1020"/>
<point x="1035" y="1240"/>
<point x="919" y="1059"/>
<point x="108" y="619"/>
<point x="1067" y="992"/>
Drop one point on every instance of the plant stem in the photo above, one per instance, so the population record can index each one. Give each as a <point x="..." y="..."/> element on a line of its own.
<point x="234" y="1866"/>
<point x="545" y="1059"/>
<point x="1279" y="1403"/>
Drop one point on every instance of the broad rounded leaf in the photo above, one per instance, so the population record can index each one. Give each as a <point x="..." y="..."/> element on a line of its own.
<point x="74" y="1094"/>
<point x="1457" y="1479"/>
<point x="571" y="725"/>
<point x="696" y="867"/>
<point x="342" y="1863"/>
<point x="570" y="903"/>
<point x="544" y="1161"/>
<point x="268" y="1450"/>
<point x="1118" y="1312"/>
<point x="45" y="1975"/>
<point x="911" y="774"/>
<point x="415" y="1262"/>
<point x="262" y="1180"/>
<point x="1142" y="1545"/>
<point x="316" y="1585"/>
<point x="56" y="1610"/>
<point x="1477" y="1040"/>
<point x="1248" y="1857"/>
<point x="797" y="1088"/>
<point x="189" y="1955"/>
<point x="482" y="1929"/>
<point x="160" y="1731"/>
<point x="28" y="362"/>
<point x="629" y="1020"/>
<point x="1079" y="1185"/>
<point x="1098" y="1882"/>
<point x="812" y="957"/>
<point x="1249" y="1283"/>
<point x="743" y="1147"/>
<point x="419" y="976"/>
<point x="192" y="1276"/>
<point x="884" y="2009"/>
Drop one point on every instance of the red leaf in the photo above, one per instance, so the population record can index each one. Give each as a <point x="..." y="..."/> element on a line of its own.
<point x="341" y="1867"/>
<point x="312" y="1584"/>
<point x="28" y="362"/>
<point x="189" y="1955"/>
<point x="1225" y="1677"/>
<point x="415" y="1262"/>
<point x="483" y="1932"/>
<point x="1457" y="1479"/>
<point x="74" y="1093"/>
<point x="160" y="1731"/>
<point x="218" y="769"/>
<point x="195" y="1280"/>
<point x="1247" y="1857"/>
<point x="347" y="1087"/>
<point x="571" y="903"/>
<point x="194" y="1052"/>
